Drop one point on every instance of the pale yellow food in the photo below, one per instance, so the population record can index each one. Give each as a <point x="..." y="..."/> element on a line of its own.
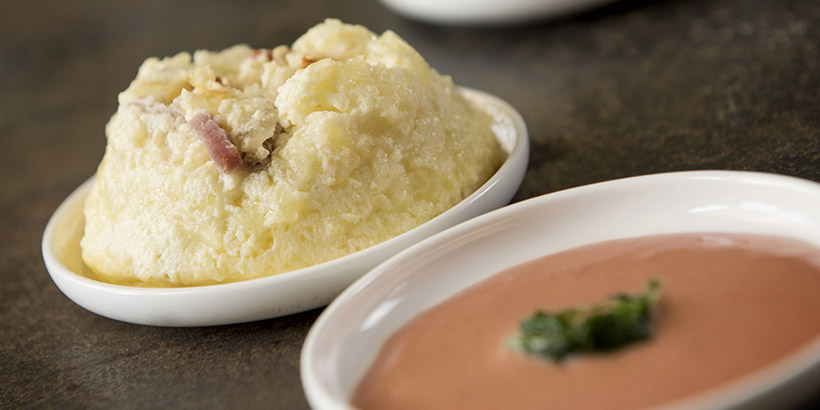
<point x="364" y="142"/>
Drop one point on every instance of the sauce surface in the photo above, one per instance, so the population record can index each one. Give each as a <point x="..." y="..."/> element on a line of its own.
<point x="730" y="305"/>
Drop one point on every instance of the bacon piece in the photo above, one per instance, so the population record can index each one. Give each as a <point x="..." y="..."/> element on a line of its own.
<point x="267" y="54"/>
<point x="220" y="148"/>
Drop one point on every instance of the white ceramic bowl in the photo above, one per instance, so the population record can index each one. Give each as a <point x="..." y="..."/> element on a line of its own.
<point x="277" y="295"/>
<point x="347" y="336"/>
<point x="487" y="11"/>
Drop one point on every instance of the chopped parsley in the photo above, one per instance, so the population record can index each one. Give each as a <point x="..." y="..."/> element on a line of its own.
<point x="622" y="320"/>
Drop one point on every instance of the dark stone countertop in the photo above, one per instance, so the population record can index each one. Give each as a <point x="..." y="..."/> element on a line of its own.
<point x="633" y="88"/>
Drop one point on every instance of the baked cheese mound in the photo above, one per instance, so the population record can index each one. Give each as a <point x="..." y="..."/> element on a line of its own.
<point x="232" y="165"/>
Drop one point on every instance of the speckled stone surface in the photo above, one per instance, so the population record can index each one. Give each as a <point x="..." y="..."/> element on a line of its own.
<point x="633" y="88"/>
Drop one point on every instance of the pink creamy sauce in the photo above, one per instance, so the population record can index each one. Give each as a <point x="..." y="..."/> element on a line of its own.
<point x="730" y="305"/>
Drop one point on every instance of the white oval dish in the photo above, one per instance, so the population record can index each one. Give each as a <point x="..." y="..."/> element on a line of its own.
<point x="487" y="11"/>
<point x="348" y="335"/>
<point x="276" y="295"/>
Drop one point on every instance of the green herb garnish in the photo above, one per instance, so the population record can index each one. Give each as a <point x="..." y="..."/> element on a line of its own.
<point x="622" y="320"/>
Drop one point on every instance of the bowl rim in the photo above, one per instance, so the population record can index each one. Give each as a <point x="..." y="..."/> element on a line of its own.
<point x="467" y="12"/>
<point x="736" y="393"/>
<point x="509" y="175"/>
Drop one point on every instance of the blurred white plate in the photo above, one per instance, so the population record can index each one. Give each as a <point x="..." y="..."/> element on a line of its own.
<point x="277" y="295"/>
<point x="349" y="334"/>
<point x="487" y="11"/>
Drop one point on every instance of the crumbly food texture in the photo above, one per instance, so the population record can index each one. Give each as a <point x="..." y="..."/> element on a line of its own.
<point x="337" y="143"/>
